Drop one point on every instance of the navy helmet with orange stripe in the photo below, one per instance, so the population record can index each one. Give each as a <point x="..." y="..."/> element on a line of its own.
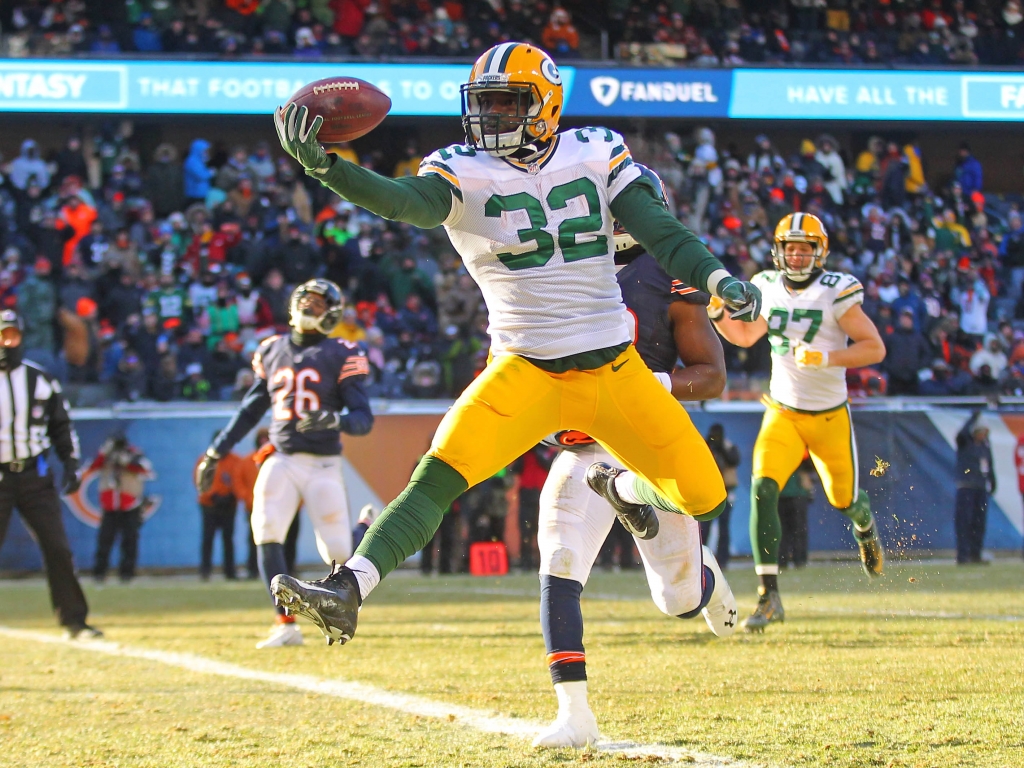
<point x="626" y="246"/>
<point x="304" y="313"/>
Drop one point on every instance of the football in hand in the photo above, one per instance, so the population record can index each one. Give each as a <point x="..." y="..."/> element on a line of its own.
<point x="349" y="106"/>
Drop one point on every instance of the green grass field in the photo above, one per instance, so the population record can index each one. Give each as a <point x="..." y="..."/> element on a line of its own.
<point x="923" y="668"/>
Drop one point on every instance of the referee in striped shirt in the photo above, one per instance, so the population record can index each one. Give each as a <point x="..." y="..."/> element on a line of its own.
<point x="34" y="416"/>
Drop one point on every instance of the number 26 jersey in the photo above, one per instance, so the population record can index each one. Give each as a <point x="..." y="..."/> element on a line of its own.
<point x="538" y="240"/>
<point x="810" y="317"/>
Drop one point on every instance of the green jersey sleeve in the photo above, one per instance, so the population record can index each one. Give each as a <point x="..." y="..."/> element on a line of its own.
<point x="423" y="201"/>
<point x="676" y="248"/>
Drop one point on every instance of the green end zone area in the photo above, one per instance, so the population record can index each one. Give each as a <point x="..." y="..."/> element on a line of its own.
<point x="924" y="667"/>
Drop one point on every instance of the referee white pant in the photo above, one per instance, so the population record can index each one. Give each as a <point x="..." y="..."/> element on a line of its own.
<point x="288" y="481"/>
<point x="574" y="522"/>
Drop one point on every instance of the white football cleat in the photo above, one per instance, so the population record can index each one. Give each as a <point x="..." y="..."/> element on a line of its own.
<point x="721" y="611"/>
<point x="575" y="725"/>
<point x="282" y="634"/>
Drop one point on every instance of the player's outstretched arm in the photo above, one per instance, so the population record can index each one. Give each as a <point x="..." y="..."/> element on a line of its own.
<point x="703" y="378"/>
<point x="423" y="201"/>
<point x="736" y="332"/>
<point x="679" y="251"/>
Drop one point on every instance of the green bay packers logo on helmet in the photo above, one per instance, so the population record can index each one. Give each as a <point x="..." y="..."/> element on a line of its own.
<point x="513" y="99"/>
<point x="800" y="263"/>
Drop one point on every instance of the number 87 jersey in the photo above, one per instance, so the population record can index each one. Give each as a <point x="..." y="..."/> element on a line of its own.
<point x="538" y="239"/>
<point x="809" y="317"/>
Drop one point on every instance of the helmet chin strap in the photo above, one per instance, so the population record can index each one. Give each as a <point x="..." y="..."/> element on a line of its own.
<point x="801" y="281"/>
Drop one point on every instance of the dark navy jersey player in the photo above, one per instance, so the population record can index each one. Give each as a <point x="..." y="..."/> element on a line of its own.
<point x="671" y="324"/>
<point x="313" y="387"/>
<point x="307" y="380"/>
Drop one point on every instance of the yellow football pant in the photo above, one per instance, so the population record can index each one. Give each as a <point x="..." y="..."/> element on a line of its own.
<point x="513" y="405"/>
<point x="829" y="438"/>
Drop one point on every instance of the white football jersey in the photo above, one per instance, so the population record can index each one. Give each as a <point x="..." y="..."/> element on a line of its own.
<point x="538" y="240"/>
<point x="810" y="317"/>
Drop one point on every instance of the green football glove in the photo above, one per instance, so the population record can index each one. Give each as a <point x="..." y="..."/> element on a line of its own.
<point x="742" y="298"/>
<point x="300" y="141"/>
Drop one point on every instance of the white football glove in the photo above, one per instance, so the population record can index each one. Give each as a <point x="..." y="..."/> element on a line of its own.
<point x="665" y="379"/>
<point x="810" y="358"/>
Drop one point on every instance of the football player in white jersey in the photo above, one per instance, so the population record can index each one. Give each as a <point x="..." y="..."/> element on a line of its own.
<point x="810" y="316"/>
<point x="530" y="211"/>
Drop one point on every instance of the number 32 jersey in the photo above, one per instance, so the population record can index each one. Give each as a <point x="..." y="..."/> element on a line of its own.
<point x="538" y="240"/>
<point x="810" y="317"/>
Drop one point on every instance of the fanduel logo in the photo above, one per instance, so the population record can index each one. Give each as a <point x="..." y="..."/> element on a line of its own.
<point x="606" y="90"/>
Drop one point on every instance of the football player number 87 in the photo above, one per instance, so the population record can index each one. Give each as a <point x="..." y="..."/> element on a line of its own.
<point x="306" y="400"/>
<point x="778" y="320"/>
<point x="557" y="199"/>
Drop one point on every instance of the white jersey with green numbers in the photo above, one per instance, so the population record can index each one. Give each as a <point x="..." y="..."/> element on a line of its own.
<point x="809" y="316"/>
<point x="538" y="241"/>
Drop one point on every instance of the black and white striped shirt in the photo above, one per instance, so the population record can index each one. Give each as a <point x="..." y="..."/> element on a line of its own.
<point x="34" y="416"/>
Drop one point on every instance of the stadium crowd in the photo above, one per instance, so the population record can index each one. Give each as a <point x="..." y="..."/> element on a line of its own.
<point x="698" y="32"/>
<point x="158" y="278"/>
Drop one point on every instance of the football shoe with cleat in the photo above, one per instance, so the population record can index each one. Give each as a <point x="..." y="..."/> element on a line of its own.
<point x="872" y="556"/>
<point x="281" y="634"/>
<point x="332" y="603"/>
<point x="639" y="519"/>
<point x="575" y="725"/>
<point x="769" y="609"/>
<point x="721" y="612"/>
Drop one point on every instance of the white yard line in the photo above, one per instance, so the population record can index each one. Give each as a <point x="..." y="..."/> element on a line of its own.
<point x="368" y="694"/>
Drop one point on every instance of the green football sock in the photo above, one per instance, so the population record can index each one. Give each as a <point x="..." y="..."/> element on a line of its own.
<point x="765" y="527"/>
<point x="648" y="494"/>
<point x="409" y="522"/>
<point x="860" y="511"/>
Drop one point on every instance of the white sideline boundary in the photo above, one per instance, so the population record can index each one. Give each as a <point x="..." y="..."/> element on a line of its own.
<point x="367" y="694"/>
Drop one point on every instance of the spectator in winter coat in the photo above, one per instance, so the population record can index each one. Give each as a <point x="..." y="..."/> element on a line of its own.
<point x="123" y="470"/>
<point x="835" y="170"/>
<point x="992" y="355"/>
<point x="560" y="36"/>
<point x="1011" y="252"/>
<point x="37" y="305"/>
<point x="29" y="165"/>
<point x="968" y="171"/>
<point x="894" y="175"/>
<point x="197" y="174"/>
<point x="975" y="481"/>
<point x="164" y="184"/>
<point x="71" y="161"/>
<point x="973" y="298"/>
<point x="906" y="352"/>
<point x="909" y="299"/>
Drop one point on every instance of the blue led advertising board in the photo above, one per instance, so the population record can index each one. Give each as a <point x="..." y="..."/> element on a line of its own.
<point x="240" y="88"/>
